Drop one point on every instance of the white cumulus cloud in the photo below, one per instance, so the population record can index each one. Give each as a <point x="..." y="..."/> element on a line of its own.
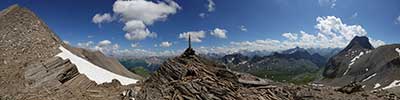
<point x="138" y="14"/>
<point x="397" y="20"/>
<point x="290" y="36"/>
<point x="195" y="36"/>
<point x="220" y="33"/>
<point x="99" y="18"/>
<point x="331" y="33"/>
<point x="211" y="6"/>
<point x="243" y="28"/>
<point x="165" y="44"/>
<point x="104" y="43"/>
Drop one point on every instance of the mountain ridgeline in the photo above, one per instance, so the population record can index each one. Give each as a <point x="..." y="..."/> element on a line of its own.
<point x="294" y="65"/>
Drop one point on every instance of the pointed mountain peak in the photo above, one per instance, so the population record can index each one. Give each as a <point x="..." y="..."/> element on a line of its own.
<point x="359" y="42"/>
<point x="295" y="50"/>
<point x="10" y="8"/>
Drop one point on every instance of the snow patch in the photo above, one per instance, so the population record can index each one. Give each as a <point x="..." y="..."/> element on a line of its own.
<point x="377" y="85"/>
<point x="231" y="60"/>
<point x="369" y="77"/>
<point x="366" y="69"/>
<point x="352" y="62"/>
<point x="243" y="62"/>
<point x="398" y="50"/>
<point x="395" y="83"/>
<point x="317" y="84"/>
<point x="93" y="72"/>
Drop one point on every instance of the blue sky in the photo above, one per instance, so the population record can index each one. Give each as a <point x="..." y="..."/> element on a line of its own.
<point x="265" y="21"/>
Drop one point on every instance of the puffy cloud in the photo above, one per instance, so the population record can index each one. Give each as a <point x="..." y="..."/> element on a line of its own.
<point x="137" y="30"/>
<point x="220" y="33"/>
<point x="104" y="43"/>
<point x="333" y="27"/>
<point x="98" y="18"/>
<point x="203" y="15"/>
<point x="138" y="14"/>
<point x="290" y="36"/>
<point x="376" y="43"/>
<point x="211" y="6"/>
<point x="86" y="45"/>
<point x="165" y="44"/>
<point x="135" y="45"/>
<point x="104" y="46"/>
<point x="329" y="3"/>
<point x="331" y="33"/>
<point x="397" y="20"/>
<point x="66" y="42"/>
<point x="195" y="36"/>
<point x="243" y="28"/>
<point x="146" y="53"/>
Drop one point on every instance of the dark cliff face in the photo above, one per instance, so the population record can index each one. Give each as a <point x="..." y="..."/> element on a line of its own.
<point x="359" y="62"/>
<point x="337" y="65"/>
<point x="358" y="42"/>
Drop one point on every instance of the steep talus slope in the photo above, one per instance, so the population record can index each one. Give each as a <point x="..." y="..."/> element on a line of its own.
<point x="30" y="68"/>
<point x="24" y="38"/>
<point x="190" y="77"/>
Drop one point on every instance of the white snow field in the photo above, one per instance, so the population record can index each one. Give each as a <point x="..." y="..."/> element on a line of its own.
<point x="93" y="72"/>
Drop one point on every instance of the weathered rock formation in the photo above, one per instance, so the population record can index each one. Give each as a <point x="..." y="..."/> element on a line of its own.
<point x="30" y="69"/>
<point x="196" y="78"/>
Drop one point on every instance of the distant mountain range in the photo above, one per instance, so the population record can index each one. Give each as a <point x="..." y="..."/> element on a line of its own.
<point x="286" y="66"/>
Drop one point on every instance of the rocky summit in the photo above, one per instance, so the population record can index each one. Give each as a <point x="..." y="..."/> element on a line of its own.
<point x="31" y="67"/>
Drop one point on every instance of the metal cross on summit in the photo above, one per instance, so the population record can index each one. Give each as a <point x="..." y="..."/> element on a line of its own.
<point x="189" y="42"/>
<point x="189" y="51"/>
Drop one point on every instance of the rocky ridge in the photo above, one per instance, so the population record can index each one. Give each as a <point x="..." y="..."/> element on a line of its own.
<point x="30" y="69"/>
<point x="190" y="77"/>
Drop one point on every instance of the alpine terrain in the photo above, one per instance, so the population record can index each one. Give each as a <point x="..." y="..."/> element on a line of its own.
<point x="35" y="64"/>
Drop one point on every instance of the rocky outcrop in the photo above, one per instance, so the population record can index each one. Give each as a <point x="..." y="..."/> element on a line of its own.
<point x="196" y="78"/>
<point x="337" y="65"/>
<point x="24" y="38"/>
<point x="30" y="70"/>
